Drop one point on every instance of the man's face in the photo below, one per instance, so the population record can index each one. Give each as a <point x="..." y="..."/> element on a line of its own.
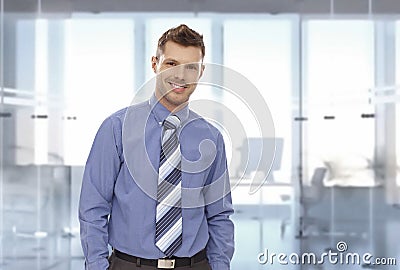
<point x="178" y="69"/>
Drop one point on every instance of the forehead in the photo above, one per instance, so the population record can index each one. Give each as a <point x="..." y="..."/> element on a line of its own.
<point x="180" y="53"/>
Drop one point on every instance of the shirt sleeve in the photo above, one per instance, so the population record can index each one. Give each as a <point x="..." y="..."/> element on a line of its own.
<point x="220" y="247"/>
<point x="101" y="170"/>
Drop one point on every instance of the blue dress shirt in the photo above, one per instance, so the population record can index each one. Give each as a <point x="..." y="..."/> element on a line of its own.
<point x="117" y="202"/>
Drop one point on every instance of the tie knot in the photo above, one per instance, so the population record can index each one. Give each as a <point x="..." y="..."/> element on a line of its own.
<point x="172" y="122"/>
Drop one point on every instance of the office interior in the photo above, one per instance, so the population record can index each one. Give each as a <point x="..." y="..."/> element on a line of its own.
<point x="328" y="73"/>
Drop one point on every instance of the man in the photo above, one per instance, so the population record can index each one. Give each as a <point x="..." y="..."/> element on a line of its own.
<point x="163" y="205"/>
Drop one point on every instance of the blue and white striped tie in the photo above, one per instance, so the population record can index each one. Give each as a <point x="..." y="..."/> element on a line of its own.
<point x="169" y="211"/>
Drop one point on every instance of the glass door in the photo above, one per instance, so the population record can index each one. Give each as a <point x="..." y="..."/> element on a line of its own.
<point x="35" y="208"/>
<point x="339" y="134"/>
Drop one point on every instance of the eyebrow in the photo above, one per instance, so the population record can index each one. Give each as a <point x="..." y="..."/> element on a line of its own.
<point x="170" y="59"/>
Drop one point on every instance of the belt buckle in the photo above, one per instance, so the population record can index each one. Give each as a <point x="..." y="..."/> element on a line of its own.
<point x="166" y="263"/>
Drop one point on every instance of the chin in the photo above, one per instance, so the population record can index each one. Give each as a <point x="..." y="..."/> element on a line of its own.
<point x="176" y="99"/>
<point x="178" y="102"/>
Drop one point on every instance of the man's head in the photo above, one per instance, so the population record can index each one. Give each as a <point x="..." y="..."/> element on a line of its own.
<point x="178" y="64"/>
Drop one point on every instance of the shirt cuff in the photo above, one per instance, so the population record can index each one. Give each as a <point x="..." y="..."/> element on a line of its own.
<point x="219" y="266"/>
<point x="101" y="264"/>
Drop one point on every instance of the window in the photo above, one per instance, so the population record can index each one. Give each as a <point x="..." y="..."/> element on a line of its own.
<point x="261" y="50"/>
<point x="339" y="67"/>
<point x="99" y="78"/>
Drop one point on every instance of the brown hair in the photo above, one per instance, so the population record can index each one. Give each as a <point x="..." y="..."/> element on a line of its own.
<point x="182" y="35"/>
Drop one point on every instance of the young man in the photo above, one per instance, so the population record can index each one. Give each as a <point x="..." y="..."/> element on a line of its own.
<point x="160" y="206"/>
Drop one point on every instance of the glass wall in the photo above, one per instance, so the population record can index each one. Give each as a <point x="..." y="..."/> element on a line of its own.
<point x="3" y="115"/>
<point x="264" y="56"/>
<point x="35" y="186"/>
<point x="395" y="100"/>
<point x="95" y="47"/>
<point x="338" y="76"/>
<point x="50" y="70"/>
<point x="341" y="64"/>
<point x="61" y="74"/>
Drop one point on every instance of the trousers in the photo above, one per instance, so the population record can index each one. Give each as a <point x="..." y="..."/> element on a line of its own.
<point x="119" y="264"/>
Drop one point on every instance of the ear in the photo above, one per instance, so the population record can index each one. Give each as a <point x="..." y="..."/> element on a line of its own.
<point x="154" y="61"/>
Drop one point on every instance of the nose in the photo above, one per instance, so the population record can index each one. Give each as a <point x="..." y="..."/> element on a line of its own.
<point x="179" y="72"/>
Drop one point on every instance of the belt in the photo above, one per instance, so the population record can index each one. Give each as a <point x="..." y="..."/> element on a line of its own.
<point x="164" y="263"/>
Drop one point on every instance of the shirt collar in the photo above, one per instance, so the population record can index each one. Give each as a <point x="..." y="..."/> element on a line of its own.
<point x="161" y="113"/>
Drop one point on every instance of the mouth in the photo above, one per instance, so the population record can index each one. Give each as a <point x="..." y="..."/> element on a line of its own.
<point x="179" y="88"/>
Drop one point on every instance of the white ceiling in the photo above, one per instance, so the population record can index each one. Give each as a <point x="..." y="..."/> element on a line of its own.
<point x="240" y="6"/>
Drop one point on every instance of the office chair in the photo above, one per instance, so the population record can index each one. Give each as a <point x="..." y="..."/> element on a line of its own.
<point x="311" y="196"/>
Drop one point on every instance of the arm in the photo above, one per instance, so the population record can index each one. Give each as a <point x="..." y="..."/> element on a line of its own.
<point x="218" y="209"/>
<point x="101" y="170"/>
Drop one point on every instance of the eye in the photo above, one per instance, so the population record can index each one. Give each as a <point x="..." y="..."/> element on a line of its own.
<point x="170" y="63"/>
<point x="192" y="67"/>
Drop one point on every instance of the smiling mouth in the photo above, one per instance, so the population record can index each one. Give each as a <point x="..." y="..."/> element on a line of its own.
<point x="177" y="86"/>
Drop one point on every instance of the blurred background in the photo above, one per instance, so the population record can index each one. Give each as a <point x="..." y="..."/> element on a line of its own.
<point x="329" y="71"/>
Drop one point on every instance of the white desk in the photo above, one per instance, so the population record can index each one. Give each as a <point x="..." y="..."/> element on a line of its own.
<point x="267" y="194"/>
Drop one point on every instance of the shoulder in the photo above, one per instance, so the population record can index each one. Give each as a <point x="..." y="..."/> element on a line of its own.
<point x="117" y="118"/>
<point x="114" y="122"/>
<point x="112" y="126"/>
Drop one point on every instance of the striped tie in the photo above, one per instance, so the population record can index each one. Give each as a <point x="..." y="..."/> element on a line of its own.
<point x="169" y="212"/>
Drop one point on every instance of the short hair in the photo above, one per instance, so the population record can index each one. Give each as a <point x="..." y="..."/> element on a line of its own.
<point x="182" y="35"/>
